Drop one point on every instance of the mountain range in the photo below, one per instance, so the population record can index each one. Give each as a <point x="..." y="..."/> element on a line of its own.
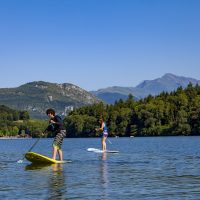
<point x="168" y="82"/>
<point x="36" y="97"/>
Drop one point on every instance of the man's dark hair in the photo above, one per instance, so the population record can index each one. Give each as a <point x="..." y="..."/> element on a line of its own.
<point x="50" y="110"/>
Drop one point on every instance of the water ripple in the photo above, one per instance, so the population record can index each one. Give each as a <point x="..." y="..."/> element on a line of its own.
<point x="145" y="168"/>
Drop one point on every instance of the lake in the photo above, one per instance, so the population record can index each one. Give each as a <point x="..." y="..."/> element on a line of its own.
<point x="145" y="168"/>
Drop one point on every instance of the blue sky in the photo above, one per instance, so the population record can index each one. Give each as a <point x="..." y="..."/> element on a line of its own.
<point x="98" y="43"/>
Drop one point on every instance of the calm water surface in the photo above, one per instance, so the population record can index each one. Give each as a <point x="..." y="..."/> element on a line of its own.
<point x="146" y="168"/>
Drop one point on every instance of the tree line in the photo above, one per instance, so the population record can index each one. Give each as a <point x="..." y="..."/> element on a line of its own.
<point x="18" y="123"/>
<point x="168" y="114"/>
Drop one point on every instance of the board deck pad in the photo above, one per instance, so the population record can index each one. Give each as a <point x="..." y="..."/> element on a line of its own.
<point x="41" y="159"/>
<point x="101" y="151"/>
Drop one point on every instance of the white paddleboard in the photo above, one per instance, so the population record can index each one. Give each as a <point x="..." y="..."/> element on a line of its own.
<point x="101" y="151"/>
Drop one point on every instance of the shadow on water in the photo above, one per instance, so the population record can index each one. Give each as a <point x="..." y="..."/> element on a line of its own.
<point x="56" y="180"/>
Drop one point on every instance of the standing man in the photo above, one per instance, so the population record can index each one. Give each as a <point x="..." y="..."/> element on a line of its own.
<point x="56" y="126"/>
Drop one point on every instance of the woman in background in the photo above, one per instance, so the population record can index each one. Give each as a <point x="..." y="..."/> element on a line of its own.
<point x="104" y="131"/>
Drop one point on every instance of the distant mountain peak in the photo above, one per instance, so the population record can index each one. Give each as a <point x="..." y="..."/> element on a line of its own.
<point x="169" y="75"/>
<point x="175" y="77"/>
<point x="167" y="83"/>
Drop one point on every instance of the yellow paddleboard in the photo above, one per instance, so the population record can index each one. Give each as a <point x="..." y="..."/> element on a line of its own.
<point x="40" y="159"/>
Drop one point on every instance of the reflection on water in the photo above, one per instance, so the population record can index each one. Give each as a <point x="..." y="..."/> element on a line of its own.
<point x="37" y="166"/>
<point x="104" y="175"/>
<point x="103" y="156"/>
<point x="56" y="187"/>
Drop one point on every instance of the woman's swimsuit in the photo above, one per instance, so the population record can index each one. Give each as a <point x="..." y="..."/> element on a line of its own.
<point x="105" y="131"/>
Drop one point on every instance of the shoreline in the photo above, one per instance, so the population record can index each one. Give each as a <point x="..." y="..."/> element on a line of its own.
<point x="14" y="137"/>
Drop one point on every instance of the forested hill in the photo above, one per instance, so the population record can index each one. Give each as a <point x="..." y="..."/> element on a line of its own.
<point x="168" y="114"/>
<point x="174" y="113"/>
<point x="36" y="97"/>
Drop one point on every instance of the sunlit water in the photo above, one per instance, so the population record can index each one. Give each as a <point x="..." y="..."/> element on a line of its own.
<point x="146" y="168"/>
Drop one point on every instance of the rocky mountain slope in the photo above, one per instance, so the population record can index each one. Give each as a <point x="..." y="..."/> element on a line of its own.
<point x="36" y="97"/>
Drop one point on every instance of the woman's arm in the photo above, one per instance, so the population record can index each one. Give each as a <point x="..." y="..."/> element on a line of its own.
<point x="101" y="128"/>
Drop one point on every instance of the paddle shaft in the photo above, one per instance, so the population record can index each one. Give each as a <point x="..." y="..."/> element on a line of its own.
<point x="30" y="149"/>
<point x="109" y="141"/>
<point x="34" y="144"/>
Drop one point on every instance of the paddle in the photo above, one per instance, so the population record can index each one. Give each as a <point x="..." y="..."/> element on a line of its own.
<point x="21" y="161"/>
<point x="109" y="141"/>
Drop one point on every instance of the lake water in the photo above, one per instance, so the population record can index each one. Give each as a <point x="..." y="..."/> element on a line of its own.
<point x="146" y="168"/>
